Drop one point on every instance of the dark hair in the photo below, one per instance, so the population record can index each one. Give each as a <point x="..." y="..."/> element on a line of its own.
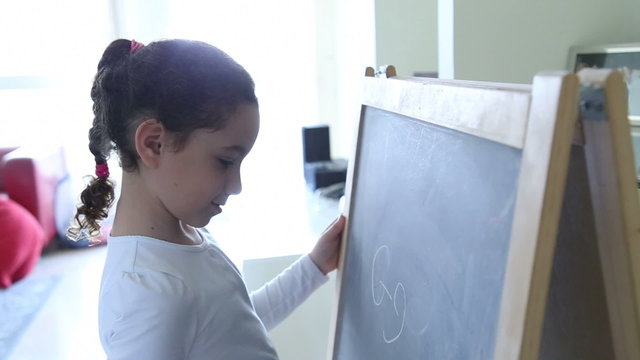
<point x="185" y="85"/>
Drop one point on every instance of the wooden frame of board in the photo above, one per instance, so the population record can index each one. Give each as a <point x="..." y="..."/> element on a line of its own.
<point x="537" y="119"/>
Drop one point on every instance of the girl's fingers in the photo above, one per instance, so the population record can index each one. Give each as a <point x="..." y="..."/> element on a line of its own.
<point x="336" y="226"/>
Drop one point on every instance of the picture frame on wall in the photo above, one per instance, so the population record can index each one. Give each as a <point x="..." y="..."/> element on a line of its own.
<point x="626" y="58"/>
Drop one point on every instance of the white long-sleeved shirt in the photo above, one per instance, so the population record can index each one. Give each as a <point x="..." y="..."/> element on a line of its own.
<point x="160" y="300"/>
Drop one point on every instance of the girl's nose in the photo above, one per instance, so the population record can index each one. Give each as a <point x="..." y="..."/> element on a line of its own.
<point x="234" y="183"/>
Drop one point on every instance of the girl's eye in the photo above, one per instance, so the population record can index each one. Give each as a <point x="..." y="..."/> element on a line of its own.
<point x="226" y="163"/>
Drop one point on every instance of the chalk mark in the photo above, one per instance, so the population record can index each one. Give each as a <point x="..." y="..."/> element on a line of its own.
<point x="399" y="296"/>
<point x="399" y="286"/>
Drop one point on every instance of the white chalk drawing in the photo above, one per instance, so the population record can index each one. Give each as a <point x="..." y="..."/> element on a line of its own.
<point x="374" y="273"/>
<point x="399" y="296"/>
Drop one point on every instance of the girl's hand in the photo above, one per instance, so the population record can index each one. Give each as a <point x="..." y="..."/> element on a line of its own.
<point x="325" y="253"/>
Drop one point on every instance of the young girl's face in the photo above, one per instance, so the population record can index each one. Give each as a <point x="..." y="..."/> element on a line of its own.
<point x="195" y="182"/>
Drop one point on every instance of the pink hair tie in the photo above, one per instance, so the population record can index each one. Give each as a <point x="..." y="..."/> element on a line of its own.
<point x="135" y="46"/>
<point x="102" y="170"/>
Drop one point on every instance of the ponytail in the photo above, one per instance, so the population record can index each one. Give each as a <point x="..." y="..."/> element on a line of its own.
<point x="108" y="97"/>
<point x="98" y="196"/>
<point x="96" y="201"/>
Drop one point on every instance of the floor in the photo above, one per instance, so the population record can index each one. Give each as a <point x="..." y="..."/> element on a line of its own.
<point x="66" y="326"/>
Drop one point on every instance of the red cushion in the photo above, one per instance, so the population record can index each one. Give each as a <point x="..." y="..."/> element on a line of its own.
<point x="21" y="241"/>
<point x="4" y="151"/>
<point x="30" y="178"/>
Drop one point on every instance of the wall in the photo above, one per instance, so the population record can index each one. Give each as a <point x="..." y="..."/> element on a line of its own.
<point x="407" y="35"/>
<point x="345" y="46"/>
<point x="352" y="35"/>
<point x="141" y="20"/>
<point x="511" y="40"/>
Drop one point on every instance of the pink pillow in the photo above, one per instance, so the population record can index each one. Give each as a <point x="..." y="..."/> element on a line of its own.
<point x="21" y="242"/>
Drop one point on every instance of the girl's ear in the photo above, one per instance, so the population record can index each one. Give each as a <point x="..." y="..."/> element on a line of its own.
<point x="149" y="139"/>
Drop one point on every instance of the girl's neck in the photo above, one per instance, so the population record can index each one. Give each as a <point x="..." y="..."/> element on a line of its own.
<point x="139" y="213"/>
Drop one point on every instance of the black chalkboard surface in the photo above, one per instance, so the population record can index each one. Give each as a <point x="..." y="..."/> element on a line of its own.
<point x="432" y="242"/>
<point x="452" y="216"/>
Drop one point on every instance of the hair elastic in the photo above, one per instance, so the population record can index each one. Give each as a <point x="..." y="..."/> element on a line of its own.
<point x="102" y="170"/>
<point x="135" y="46"/>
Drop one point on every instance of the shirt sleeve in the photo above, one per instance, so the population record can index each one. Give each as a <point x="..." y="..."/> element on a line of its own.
<point x="278" y="298"/>
<point x="146" y="316"/>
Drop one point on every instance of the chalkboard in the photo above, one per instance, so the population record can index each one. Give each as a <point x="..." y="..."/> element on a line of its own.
<point x="452" y="216"/>
<point x="445" y="199"/>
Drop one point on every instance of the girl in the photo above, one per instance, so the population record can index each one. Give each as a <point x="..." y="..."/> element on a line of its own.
<point x="181" y="115"/>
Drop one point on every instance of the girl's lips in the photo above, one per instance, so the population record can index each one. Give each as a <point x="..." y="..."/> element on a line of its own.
<point x="221" y="203"/>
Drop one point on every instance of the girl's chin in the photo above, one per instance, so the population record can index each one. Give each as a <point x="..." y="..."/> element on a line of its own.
<point x="205" y="217"/>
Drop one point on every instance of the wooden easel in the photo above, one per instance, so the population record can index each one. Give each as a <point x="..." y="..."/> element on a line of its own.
<point x="583" y="296"/>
